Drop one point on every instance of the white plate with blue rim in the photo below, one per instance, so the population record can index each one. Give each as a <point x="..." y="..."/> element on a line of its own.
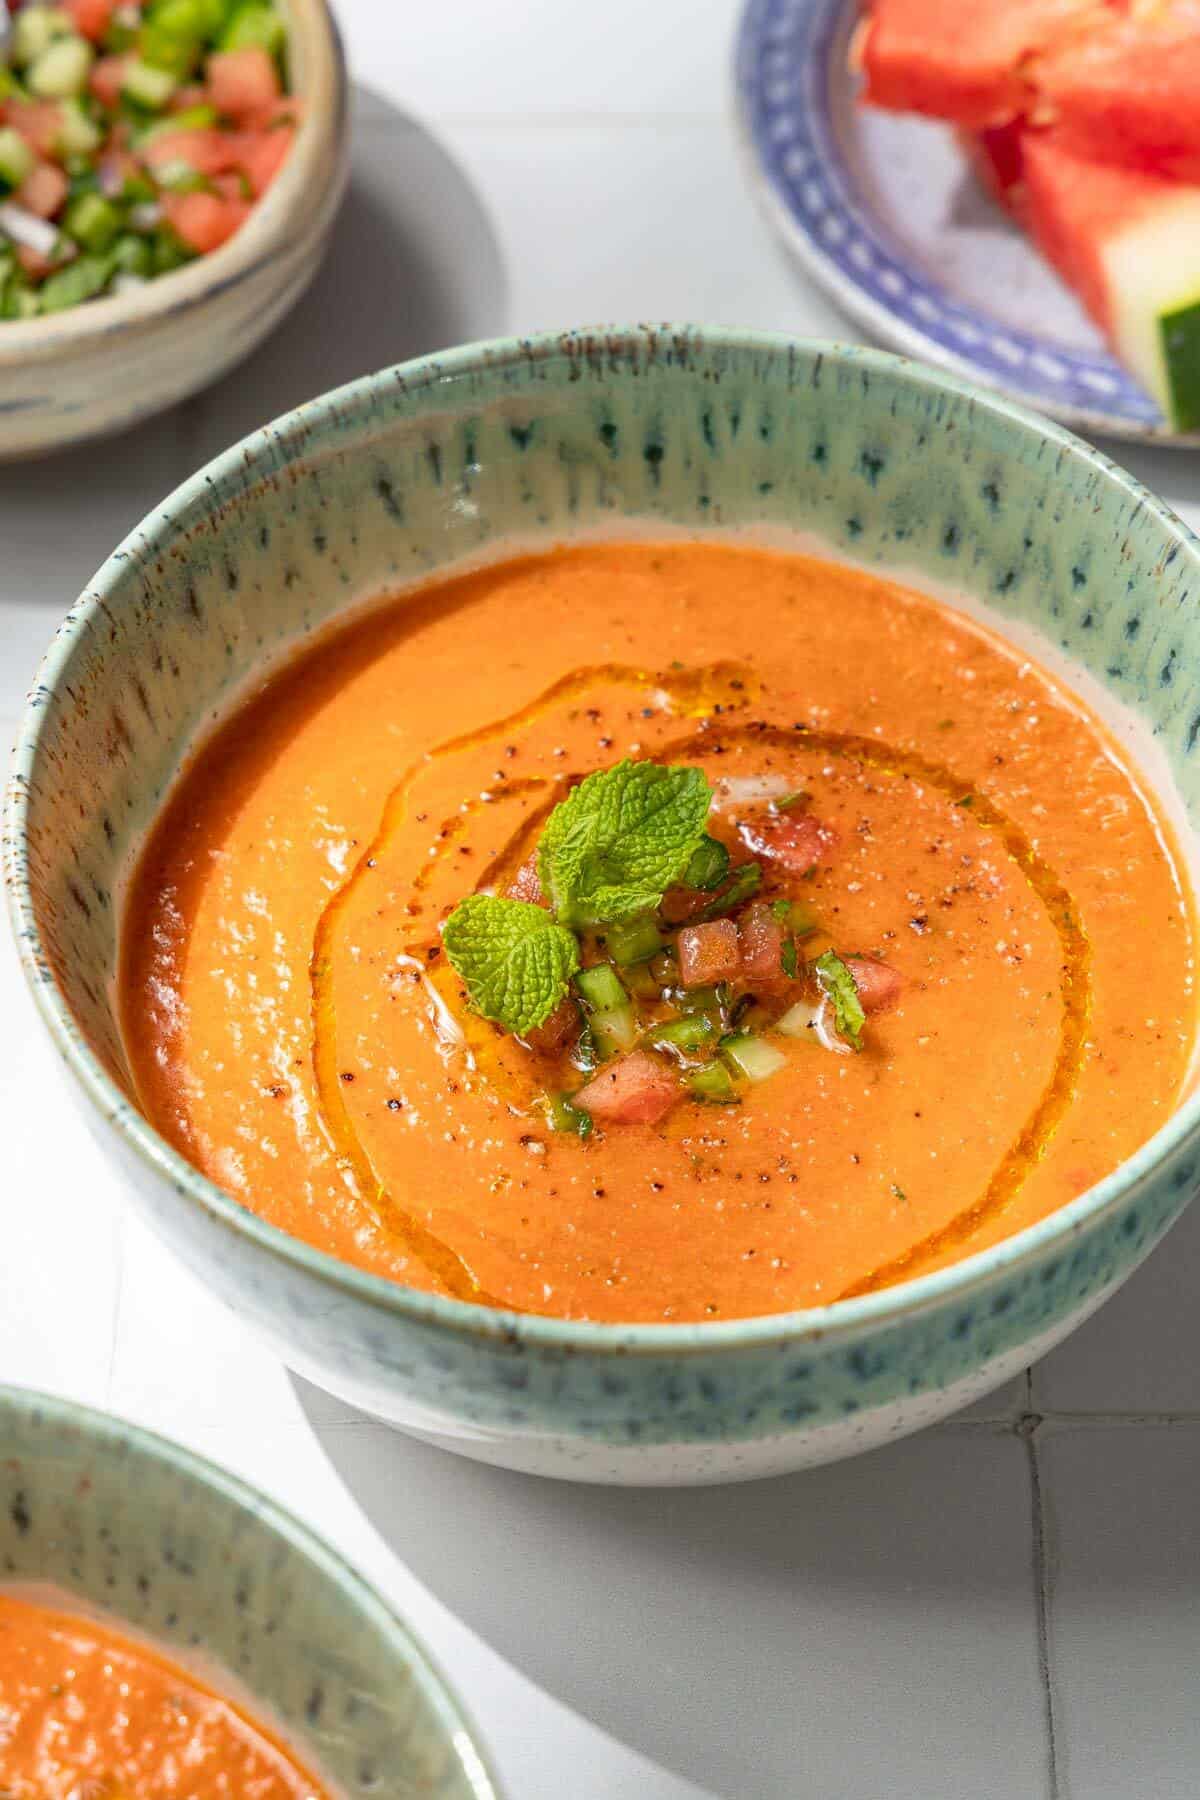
<point x="883" y="211"/>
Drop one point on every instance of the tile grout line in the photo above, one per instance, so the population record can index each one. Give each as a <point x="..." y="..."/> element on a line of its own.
<point x="1027" y="1430"/>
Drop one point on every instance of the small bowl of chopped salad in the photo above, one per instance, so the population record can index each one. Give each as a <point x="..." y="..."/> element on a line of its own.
<point x="169" y="175"/>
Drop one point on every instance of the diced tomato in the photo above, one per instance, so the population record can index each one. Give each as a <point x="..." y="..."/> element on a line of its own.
<point x="231" y="185"/>
<point x="43" y="190"/>
<point x="526" y="884"/>
<point x="91" y="18"/>
<point x="104" y="82"/>
<point x="636" y="1090"/>
<point x="708" y="953"/>
<point x="760" y="938"/>
<point x="878" y="983"/>
<point x="33" y="263"/>
<point x="242" y="81"/>
<point x="796" y="843"/>
<point x="39" y="123"/>
<point x="203" y="148"/>
<point x="261" y="154"/>
<point x="552" y="1037"/>
<point x="204" y="221"/>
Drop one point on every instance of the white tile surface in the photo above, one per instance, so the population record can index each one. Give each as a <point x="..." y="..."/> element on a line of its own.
<point x="862" y="1631"/>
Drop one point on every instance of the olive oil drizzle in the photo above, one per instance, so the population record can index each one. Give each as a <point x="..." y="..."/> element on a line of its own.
<point x="699" y="694"/>
<point x="695" y="693"/>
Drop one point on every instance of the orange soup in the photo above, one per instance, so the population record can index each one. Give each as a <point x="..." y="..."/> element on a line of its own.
<point x="659" y="932"/>
<point x="87" y="1714"/>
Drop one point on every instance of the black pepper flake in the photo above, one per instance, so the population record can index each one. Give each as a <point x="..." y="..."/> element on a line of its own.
<point x="394" y="1105"/>
<point x="347" y="1075"/>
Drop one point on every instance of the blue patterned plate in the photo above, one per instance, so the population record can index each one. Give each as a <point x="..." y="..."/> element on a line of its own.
<point x="883" y="211"/>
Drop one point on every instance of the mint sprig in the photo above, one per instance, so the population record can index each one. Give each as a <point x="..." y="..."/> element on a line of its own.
<point x="516" y="962"/>
<point x="837" y="983"/>
<point x="615" y="845"/>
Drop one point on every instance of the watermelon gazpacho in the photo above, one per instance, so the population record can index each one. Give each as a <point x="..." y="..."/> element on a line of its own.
<point x="133" y="138"/>
<point x="658" y="931"/>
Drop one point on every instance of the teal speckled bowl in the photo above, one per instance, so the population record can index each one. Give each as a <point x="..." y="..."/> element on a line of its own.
<point x="453" y="457"/>
<point x="208" y="1569"/>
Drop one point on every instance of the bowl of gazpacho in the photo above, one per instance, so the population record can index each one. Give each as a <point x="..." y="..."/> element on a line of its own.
<point x="626" y="897"/>
<point x="166" y="1630"/>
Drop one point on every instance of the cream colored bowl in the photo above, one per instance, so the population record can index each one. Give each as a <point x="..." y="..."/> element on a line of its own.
<point x="101" y="367"/>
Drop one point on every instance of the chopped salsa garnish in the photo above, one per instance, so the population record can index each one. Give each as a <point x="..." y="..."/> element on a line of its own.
<point x="135" y="135"/>
<point x="633" y="948"/>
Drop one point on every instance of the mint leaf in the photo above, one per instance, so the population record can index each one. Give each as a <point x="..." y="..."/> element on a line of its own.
<point x="517" y="963"/>
<point x="625" y="835"/>
<point x="836" y="981"/>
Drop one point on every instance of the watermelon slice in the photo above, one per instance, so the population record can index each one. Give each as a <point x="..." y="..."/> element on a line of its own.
<point x="1126" y="241"/>
<point x="1129" y="90"/>
<point x="967" y="63"/>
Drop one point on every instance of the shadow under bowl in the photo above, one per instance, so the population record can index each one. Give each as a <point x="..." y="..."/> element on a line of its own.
<point x="405" y="473"/>
<point x="125" y="1523"/>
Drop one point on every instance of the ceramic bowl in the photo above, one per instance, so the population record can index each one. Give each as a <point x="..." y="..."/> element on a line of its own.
<point x="101" y="367"/>
<point x="219" y="1577"/>
<point x="413" y="469"/>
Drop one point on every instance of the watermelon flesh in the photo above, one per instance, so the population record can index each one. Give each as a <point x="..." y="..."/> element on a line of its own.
<point x="1120" y="79"/>
<point x="969" y="63"/>
<point x="1126" y="241"/>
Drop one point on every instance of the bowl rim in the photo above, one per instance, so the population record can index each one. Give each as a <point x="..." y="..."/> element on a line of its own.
<point x="107" y="1431"/>
<point x="312" y="169"/>
<point x="302" y="429"/>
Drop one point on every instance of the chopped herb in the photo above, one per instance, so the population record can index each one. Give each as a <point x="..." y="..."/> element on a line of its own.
<point x="516" y="962"/>
<point x="788" y="959"/>
<point x="708" y="867"/>
<point x="781" y="911"/>
<point x="899" y="1191"/>
<point x="837" y="984"/>
<point x="620" y="840"/>
<point x="966" y="800"/>
<point x="746" y="881"/>
<point x="793" y="802"/>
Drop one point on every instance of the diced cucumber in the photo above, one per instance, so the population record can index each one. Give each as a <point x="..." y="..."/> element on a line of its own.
<point x="92" y="221"/>
<point x="61" y="71"/>
<point x="691" y="1033"/>
<point x="712" y="1002"/>
<point x="147" y="86"/>
<point x="78" y="134"/>
<point x="601" y="988"/>
<point x="708" y="867"/>
<point x="192" y="118"/>
<point x="159" y="49"/>
<point x="133" y="255"/>
<point x="752" y="1056"/>
<point x="180" y="177"/>
<point x="641" y="982"/>
<point x="82" y="280"/>
<point x="713" y="1083"/>
<point x="566" y="1118"/>
<point x="633" y="940"/>
<point x="255" y="26"/>
<point x="614" y="1031"/>
<point x="35" y="29"/>
<point x="122" y="30"/>
<point x="16" y="158"/>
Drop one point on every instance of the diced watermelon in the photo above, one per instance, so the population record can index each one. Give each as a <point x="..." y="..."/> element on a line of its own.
<point x="33" y="263"/>
<point x="879" y="985"/>
<point x="1129" y="91"/>
<point x="638" y="1089"/>
<point x="760" y="939"/>
<point x="91" y="18"/>
<point x="104" y="82"/>
<point x="1129" y="245"/>
<point x="43" y="190"/>
<point x="262" y="154"/>
<point x="203" y="148"/>
<point x="795" y="842"/>
<point x="997" y="159"/>
<point x="708" y="953"/>
<point x="241" y="82"/>
<point x="552" y="1037"/>
<point x="966" y="63"/>
<point x="39" y="123"/>
<point x="204" y="221"/>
